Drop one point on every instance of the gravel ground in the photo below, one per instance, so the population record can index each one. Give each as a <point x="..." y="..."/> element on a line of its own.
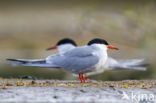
<point x="47" y="91"/>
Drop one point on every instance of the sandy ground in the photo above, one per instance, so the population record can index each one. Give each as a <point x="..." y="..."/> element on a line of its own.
<point x="47" y="91"/>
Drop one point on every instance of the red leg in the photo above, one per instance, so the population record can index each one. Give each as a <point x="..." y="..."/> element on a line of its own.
<point x="80" y="78"/>
<point x="83" y="79"/>
<point x="86" y="78"/>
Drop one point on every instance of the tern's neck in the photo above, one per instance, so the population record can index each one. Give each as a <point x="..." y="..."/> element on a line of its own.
<point x="65" y="48"/>
<point x="100" y="50"/>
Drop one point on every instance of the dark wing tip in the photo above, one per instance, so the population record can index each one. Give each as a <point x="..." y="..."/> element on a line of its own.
<point x="16" y="60"/>
<point x="11" y="59"/>
<point x="145" y="65"/>
<point x="141" y="65"/>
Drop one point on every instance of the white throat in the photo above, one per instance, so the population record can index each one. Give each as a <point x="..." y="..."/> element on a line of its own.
<point x="101" y="52"/>
<point x="65" y="47"/>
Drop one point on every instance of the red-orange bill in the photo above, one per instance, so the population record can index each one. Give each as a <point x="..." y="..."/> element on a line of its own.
<point x="52" y="48"/>
<point x="112" y="47"/>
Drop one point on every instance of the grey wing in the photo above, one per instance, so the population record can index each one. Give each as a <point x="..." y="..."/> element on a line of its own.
<point x="77" y="52"/>
<point x="80" y="52"/>
<point x="77" y="64"/>
<point x="76" y="60"/>
<point x="126" y="64"/>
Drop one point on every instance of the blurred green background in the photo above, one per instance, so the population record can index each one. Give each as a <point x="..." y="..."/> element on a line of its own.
<point x="27" y="28"/>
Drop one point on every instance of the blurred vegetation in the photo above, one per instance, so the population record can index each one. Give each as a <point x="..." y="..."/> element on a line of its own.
<point x="27" y="28"/>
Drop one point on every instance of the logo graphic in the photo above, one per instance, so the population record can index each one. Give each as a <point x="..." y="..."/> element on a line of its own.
<point x="138" y="96"/>
<point x="125" y="96"/>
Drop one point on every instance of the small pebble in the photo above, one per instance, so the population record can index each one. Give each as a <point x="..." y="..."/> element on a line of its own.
<point x="83" y="91"/>
<point x="5" y="87"/>
<point x="55" y="97"/>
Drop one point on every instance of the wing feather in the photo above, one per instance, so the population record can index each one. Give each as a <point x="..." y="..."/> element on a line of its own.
<point x="76" y="60"/>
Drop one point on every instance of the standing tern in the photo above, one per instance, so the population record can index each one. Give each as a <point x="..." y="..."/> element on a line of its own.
<point x="79" y="60"/>
<point x="67" y="44"/>
<point x="90" y="59"/>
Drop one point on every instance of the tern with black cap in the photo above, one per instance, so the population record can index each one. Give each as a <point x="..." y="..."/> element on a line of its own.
<point x="89" y="59"/>
<point x="67" y="44"/>
<point x="79" y="60"/>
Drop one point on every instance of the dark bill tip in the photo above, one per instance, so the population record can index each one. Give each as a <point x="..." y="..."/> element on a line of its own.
<point x="51" y="48"/>
<point x="48" y="49"/>
<point x="116" y="48"/>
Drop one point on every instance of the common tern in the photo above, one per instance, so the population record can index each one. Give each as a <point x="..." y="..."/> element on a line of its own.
<point x="67" y="44"/>
<point x="89" y="59"/>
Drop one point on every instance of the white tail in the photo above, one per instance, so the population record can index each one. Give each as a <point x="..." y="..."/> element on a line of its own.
<point x="135" y="64"/>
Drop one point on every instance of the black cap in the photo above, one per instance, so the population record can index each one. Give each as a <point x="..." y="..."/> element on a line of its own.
<point x="98" y="41"/>
<point x="66" y="41"/>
